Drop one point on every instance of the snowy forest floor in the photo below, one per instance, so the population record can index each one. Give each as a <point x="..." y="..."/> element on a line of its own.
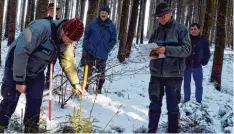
<point x="125" y="93"/>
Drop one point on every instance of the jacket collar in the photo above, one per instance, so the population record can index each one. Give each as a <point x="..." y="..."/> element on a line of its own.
<point x="107" y="22"/>
<point x="168" y="24"/>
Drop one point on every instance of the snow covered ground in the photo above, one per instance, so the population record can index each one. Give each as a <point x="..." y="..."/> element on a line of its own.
<point x="126" y="92"/>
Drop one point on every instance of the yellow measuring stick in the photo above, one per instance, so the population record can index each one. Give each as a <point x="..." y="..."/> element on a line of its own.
<point x="84" y="80"/>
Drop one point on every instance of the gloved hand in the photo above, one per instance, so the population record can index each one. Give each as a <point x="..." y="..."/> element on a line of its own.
<point x="78" y="89"/>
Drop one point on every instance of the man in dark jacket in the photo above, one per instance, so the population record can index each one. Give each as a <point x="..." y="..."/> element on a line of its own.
<point x="167" y="73"/>
<point x="50" y="11"/>
<point x="99" y="39"/>
<point x="199" y="57"/>
<point x="36" y="47"/>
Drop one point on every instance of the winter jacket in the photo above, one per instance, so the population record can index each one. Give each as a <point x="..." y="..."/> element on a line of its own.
<point x="175" y="38"/>
<point x="100" y="38"/>
<point x="200" y="52"/>
<point x="35" y="48"/>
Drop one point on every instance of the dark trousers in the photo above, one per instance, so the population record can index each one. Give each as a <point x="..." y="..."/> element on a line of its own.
<point x="157" y="87"/>
<point x="198" y="78"/>
<point x="94" y="63"/>
<point x="34" y="90"/>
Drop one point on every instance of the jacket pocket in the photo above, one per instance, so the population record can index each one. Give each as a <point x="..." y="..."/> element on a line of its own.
<point x="171" y="65"/>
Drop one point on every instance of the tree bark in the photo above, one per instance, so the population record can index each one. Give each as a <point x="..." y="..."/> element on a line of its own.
<point x="119" y="16"/>
<point x="77" y="15"/>
<point x="82" y="9"/>
<point x="23" y="16"/>
<point x="143" y="21"/>
<point x="30" y="12"/>
<point x="67" y="11"/>
<point x="41" y="9"/>
<point x="219" y="46"/>
<point x="123" y="35"/>
<point x="139" y="21"/>
<point x="209" y="17"/>
<point x="114" y="11"/>
<point x="132" y="27"/>
<point x="1" y="20"/>
<point x="11" y="21"/>
<point x="93" y="10"/>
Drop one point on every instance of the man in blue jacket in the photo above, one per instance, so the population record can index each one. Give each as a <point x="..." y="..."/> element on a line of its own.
<point x="99" y="40"/>
<point x="167" y="73"/>
<point x="199" y="57"/>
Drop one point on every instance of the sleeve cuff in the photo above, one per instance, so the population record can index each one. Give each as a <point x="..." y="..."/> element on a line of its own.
<point x="20" y="82"/>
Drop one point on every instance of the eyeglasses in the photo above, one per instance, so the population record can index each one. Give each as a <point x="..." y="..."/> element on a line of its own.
<point x="193" y="29"/>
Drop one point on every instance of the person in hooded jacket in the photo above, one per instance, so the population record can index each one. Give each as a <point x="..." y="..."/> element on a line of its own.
<point x="28" y="56"/>
<point x="99" y="39"/>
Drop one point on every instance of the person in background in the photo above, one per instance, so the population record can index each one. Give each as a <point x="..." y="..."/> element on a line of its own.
<point x="50" y="12"/>
<point x="199" y="57"/>
<point x="167" y="73"/>
<point x="99" y="39"/>
<point x="28" y="56"/>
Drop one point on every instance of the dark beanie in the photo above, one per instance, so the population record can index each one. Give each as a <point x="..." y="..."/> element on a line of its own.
<point x="105" y="8"/>
<point x="74" y="29"/>
<point x="162" y="9"/>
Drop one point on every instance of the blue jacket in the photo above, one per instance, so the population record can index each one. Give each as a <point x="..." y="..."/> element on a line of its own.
<point x="200" y="52"/>
<point x="100" y="38"/>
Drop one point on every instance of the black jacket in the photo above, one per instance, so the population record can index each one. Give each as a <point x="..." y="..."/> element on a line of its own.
<point x="200" y="52"/>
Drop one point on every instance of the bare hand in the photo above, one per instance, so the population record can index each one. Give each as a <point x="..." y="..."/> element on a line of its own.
<point x="160" y="50"/>
<point x="78" y="89"/>
<point x="21" y="88"/>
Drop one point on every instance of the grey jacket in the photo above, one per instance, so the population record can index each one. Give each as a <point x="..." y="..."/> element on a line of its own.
<point x="175" y="37"/>
<point x="34" y="49"/>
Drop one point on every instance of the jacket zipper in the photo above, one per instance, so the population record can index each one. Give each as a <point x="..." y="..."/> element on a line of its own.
<point x="164" y="38"/>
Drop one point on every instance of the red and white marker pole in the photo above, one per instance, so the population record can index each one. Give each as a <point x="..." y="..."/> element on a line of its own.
<point x="51" y="70"/>
<point x="50" y="90"/>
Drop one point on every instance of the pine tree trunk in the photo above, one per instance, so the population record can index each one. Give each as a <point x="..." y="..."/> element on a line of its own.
<point x="82" y="9"/>
<point x="61" y="4"/>
<point x="202" y="16"/>
<point x="30" y="12"/>
<point x="151" y="19"/>
<point x="77" y="15"/>
<point x="1" y="20"/>
<point x="132" y="27"/>
<point x="23" y="16"/>
<point x="209" y="17"/>
<point x="118" y="20"/>
<point x="139" y="22"/>
<point x="114" y="11"/>
<point x="189" y="15"/>
<point x="67" y="11"/>
<point x="179" y="11"/>
<point x="213" y="33"/>
<point x="219" y="46"/>
<point x="143" y="22"/>
<point x="123" y="35"/>
<point x="92" y="11"/>
<point x="41" y="9"/>
<point x="11" y="21"/>
<point x="6" y="26"/>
